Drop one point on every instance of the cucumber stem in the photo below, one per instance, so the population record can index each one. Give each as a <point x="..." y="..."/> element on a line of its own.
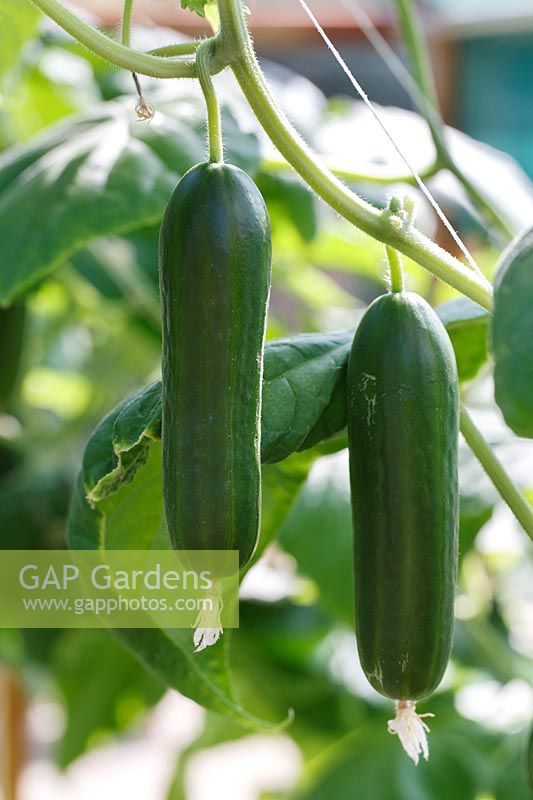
<point x="214" y="124"/>
<point x="396" y="269"/>
<point x="145" y="111"/>
<point x="125" y="28"/>
<point x="503" y="483"/>
<point x="183" y="66"/>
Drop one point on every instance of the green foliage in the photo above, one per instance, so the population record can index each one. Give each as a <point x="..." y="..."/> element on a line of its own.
<point x="287" y="196"/>
<point x="302" y="386"/>
<point x="324" y="505"/>
<point x="197" y="6"/>
<point x="33" y="507"/>
<point x="18" y="23"/>
<point x="512" y="339"/>
<point x="467" y="326"/>
<point x="117" y="690"/>
<point x="87" y="197"/>
<point x="11" y="339"/>
<point x="370" y="765"/>
<point x="307" y="364"/>
<point x="117" y="175"/>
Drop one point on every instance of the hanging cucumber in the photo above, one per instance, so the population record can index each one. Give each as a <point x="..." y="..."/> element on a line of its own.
<point x="215" y="263"/>
<point x="403" y="431"/>
<point x="215" y="267"/>
<point x="12" y="323"/>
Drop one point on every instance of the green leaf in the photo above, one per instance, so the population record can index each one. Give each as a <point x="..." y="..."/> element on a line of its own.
<point x="33" y="507"/>
<point x="125" y="270"/>
<point x="512" y="335"/>
<point x="467" y="325"/>
<point x="323" y="512"/>
<point x="303" y="379"/>
<point x="289" y="197"/>
<point x="100" y="175"/>
<point x="18" y="23"/>
<point x="372" y="758"/>
<point x="132" y="518"/>
<point x="196" y="6"/>
<point x="281" y="484"/>
<point x="512" y="765"/>
<point x="116" y="690"/>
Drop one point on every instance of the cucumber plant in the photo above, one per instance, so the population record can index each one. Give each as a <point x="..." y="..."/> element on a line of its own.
<point x="397" y="393"/>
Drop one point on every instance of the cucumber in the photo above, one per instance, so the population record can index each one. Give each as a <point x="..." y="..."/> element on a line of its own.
<point x="403" y="421"/>
<point x="215" y="269"/>
<point x="12" y="324"/>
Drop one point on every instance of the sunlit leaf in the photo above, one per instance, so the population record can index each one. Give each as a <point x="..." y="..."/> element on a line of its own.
<point x="102" y="174"/>
<point x="512" y="335"/>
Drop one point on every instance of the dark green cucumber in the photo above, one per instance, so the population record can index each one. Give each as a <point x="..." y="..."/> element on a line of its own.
<point x="12" y="323"/>
<point x="215" y="267"/>
<point x="403" y="430"/>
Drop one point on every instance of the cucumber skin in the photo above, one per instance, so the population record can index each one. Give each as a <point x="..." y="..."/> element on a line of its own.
<point x="12" y="327"/>
<point x="403" y="424"/>
<point x="215" y="270"/>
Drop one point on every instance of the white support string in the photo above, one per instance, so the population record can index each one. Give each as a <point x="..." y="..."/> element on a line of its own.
<point x="364" y="97"/>
<point x="389" y="57"/>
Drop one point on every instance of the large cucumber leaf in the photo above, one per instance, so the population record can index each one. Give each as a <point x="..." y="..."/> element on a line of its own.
<point x="101" y="174"/>
<point x="512" y="335"/>
<point x="467" y="325"/>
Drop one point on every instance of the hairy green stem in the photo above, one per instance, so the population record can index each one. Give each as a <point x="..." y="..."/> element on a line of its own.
<point x="379" y="177"/>
<point x="422" y="71"/>
<point x="238" y="47"/>
<point x="427" y="102"/>
<point x="125" y="28"/>
<point x="116" y="53"/>
<point x="503" y="483"/>
<point x="396" y="269"/>
<point x="180" y="49"/>
<point x="214" y="125"/>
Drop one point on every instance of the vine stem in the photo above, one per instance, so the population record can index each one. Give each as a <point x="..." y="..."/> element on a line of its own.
<point x="180" y="49"/>
<point x="126" y="23"/>
<point x="379" y="176"/>
<point x="214" y="124"/>
<point x="427" y="103"/>
<point x="396" y="270"/>
<point x="503" y="483"/>
<point x="182" y="66"/>
<point x="237" y="45"/>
